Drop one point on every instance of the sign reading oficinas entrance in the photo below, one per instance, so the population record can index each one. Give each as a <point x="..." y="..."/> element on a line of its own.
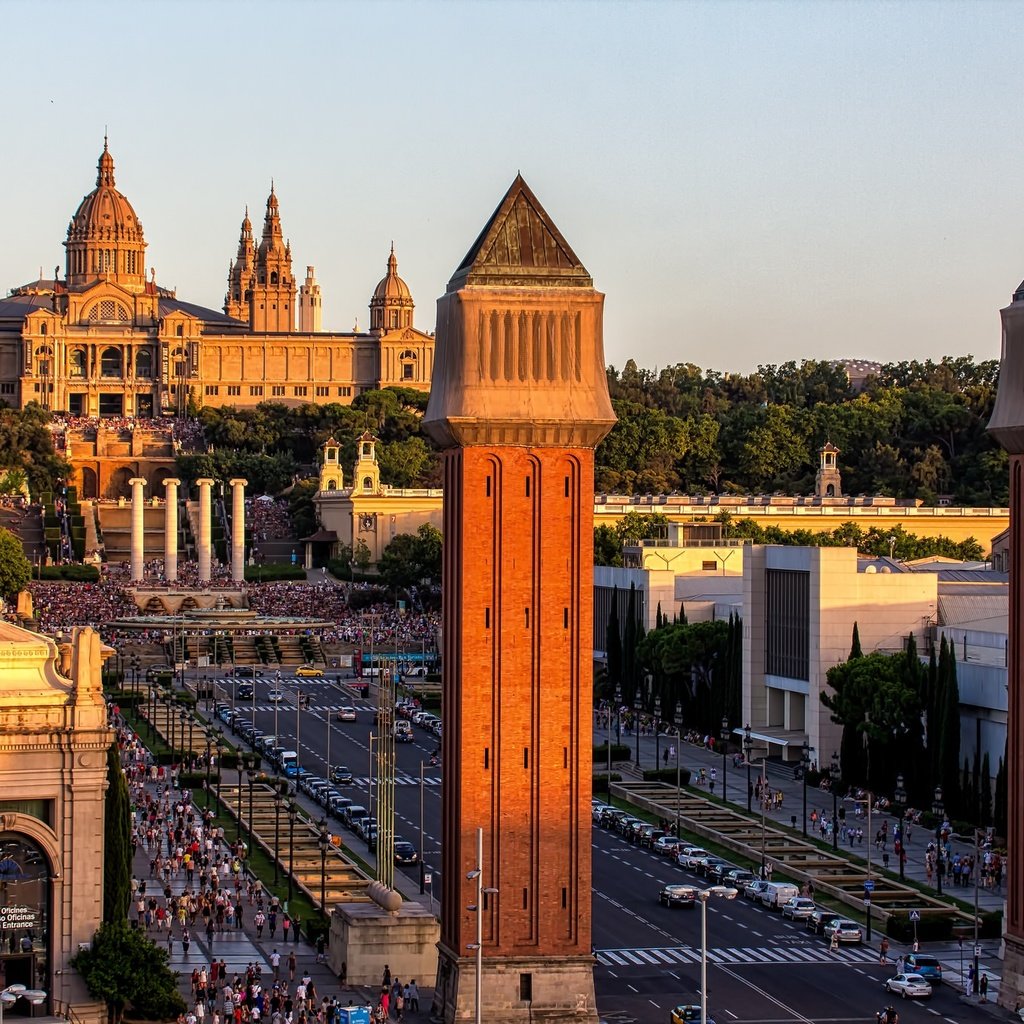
<point x="19" y="916"/>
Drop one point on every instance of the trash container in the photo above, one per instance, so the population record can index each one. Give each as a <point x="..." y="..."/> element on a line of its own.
<point x="354" y="1015"/>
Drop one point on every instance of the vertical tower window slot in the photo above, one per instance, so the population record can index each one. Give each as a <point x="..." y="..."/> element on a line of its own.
<point x="565" y="897"/>
<point x="526" y="898"/>
<point x="567" y="487"/>
<point x="565" y="618"/>
<point x="526" y="757"/>
<point x="527" y="612"/>
<point x="487" y="618"/>
<point x="487" y="757"/>
<point x="565" y="757"/>
<point x="527" y="486"/>
<point x="488" y="487"/>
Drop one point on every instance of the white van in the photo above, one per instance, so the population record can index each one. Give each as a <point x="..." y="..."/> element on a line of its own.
<point x="776" y="893"/>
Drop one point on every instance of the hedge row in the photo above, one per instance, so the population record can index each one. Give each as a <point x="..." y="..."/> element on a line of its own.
<point x="268" y="573"/>
<point x="620" y="752"/>
<point x="939" y="927"/>
<point x="70" y="573"/>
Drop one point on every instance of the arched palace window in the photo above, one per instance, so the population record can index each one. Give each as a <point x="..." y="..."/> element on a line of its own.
<point x="144" y="363"/>
<point x="24" y="911"/>
<point x="110" y="363"/>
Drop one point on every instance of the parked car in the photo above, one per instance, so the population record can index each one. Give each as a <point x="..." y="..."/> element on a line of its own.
<point x="927" y="966"/>
<point x="776" y="893"/>
<point x="798" y="908"/>
<point x="844" y="930"/>
<point x="752" y="890"/>
<point x="667" y="846"/>
<point x="717" y="869"/>
<point x="818" y="920"/>
<point x="738" y="877"/>
<point x="909" y="986"/>
<point x="678" y="896"/>
<point x="596" y="810"/>
<point x="690" y="855"/>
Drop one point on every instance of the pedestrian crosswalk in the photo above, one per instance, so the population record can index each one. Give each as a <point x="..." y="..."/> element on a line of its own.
<point x="400" y="780"/>
<point x="673" y="956"/>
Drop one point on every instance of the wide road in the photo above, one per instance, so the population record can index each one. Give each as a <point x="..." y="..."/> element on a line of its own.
<point x="761" y="969"/>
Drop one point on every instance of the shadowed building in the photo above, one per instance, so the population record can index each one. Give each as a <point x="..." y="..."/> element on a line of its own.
<point x="1007" y="426"/>
<point x="519" y="400"/>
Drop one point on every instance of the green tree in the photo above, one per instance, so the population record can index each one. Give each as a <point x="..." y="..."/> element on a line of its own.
<point x="948" y="736"/>
<point x="412" y="559"/>
<point x="985" y="793"/>
<point x="607" y="546"/>
<point x="15" y="568"/>
<point x="125" y="968"/>
<point x="855" y="649"/>
<point x="613" y="644"/>
<point x="117" y="857"/>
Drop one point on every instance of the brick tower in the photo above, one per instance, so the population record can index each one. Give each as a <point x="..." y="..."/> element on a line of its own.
<point x="1007" y="426"/>
<point x="519" y="401"/>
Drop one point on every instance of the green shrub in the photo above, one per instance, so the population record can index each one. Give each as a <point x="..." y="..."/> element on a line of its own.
<point x="931" y="927"/>
<point x="268" y="573"/>
<point x="667" y="775"/>
<point x="620" y="752"/>
<point x="601" y="782"/>
<point x="69" y="573"/>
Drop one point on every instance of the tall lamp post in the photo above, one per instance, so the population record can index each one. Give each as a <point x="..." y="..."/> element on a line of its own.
<point x="183" y="717"/>
<point x="251" y="774"/>
<point x="293" y="810"/>
<point x="657" y="732"/>
<point x="748" y="747"/>
<point x="899" y="797"/>
<point x="725" y="762"/>
<point x="722" y="892"/>
<point x="243" y="762"/>
<point x="423" y="869"/>
<point x="280" y="793"/>
<point x="208" y="735"/>
<point x="834" y="775"/>
<point x="618" y="715"/>
<point x="220" y="757"/>
<point x="477" y="875"/>
<point x="135" y="675"/>
<point x="939" y="809"/>
<point x="805" y="766"/>
<point x="678" y="719"/>
<point x="638" y="704"/>
<point x="322" y="843"/>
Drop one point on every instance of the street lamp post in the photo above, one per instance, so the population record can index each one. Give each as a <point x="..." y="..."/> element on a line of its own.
<point x="618" y="716"/>
<point x="748" y="746"/>
<point x="293" y="810"/>
<point x="135" y="675"/>
<point x="322" y="843"/>
<point x="638" y="704"/>
<point x="764" y="779"/>
<point x="423" y="870"/>
<point x="279" y="798"/>
<point x="657" y="732"/>
<point x="220" y="757"/>
<point x="243" y="762"/>
<point x="678" y="719"/>
<point x="183" y="717"/>
<point x="477" y="875"/>
<point x="834" y="775"/>
<point x="10" y="995"/>
<point x="899" y="797"/>
<point x="209" y="745"/>
<point x="251" y="774"/>
<point x="722" y="892"/>
<point x="805" y="766"/>
<point x="938" y="809"/>
<point x="725" y="762"/>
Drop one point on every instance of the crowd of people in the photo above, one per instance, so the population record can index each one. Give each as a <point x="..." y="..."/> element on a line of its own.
<point x="197" y="885"/>
<point x="60" y="606"/>
<point x="186" y="434"/>
<point x="268" y="518"/>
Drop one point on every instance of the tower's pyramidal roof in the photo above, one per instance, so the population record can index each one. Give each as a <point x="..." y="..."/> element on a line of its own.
<point x="520" y="245"/>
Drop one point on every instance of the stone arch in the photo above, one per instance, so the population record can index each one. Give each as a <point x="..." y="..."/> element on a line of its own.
<point x="188" y="604"/>
<point x="110" y="362"/>
<point x="157" y="479"/>
<point x="154" y="606"/>
<point x="118" y="486"/>
<point x="90" y="485"/>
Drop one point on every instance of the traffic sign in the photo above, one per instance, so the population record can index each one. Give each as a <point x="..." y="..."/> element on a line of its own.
<point x="977" y="950"/>
<point x="869" y="886"/>
<point x="867" y="902"/>
<point x="915" y="915"/>
<point x="427" y="879"/>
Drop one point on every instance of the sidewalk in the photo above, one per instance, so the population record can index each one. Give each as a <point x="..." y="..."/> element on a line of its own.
<point x="240" y="947"/>
<point x="732" y="783"/>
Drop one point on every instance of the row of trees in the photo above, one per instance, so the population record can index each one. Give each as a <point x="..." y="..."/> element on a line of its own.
<point x="915" y="430"/>
<point x="633" y="527"/>
<point x="902" y="717"/>
<point x="698" y="666"/>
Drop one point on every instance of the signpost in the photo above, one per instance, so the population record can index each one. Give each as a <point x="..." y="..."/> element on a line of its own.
<point x="915" y="916"/>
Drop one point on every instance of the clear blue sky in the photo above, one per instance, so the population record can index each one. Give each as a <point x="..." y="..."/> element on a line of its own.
<point x="747" y="182"/>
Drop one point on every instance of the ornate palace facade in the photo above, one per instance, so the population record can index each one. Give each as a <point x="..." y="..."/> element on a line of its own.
<point x="106" y="340"/>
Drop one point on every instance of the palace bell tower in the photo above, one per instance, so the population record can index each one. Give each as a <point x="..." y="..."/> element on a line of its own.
<point x="519" y="401"/>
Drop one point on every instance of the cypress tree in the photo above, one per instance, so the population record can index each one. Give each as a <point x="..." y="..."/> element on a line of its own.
<point x="855" y="651"/>
<point x="629" y="646"/>
<point x="658" y="621"/>
<point x="999" y="806"/>
<point x="974" y="793"/>
<point x="613" y="645"/>
<point x="935" y="704"/>
<point x="117" y="858"/>
<point x="949" y="734"/>
<point x="986" y="792"/>
<point x="682" y="613"/>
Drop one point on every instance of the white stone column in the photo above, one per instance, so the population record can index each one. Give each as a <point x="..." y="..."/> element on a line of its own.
<point x="205" y="529"/>
<point x="238" y="530"/>
<point x="171" y="529"/>
<point x="138" y="526"/>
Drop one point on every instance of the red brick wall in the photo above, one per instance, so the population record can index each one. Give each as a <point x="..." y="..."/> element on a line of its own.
<point x="518" y="589"/>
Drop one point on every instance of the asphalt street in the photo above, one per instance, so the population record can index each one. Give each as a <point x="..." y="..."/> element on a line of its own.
<point x="761" y="969"/>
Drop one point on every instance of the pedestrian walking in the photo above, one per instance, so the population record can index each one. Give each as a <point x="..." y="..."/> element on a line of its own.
<point x="983" y="987"/>
<point x="883" y="950"/>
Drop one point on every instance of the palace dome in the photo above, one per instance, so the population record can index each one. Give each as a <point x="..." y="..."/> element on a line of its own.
<point x="392" y="287"/>
<point x="105" y="214"/>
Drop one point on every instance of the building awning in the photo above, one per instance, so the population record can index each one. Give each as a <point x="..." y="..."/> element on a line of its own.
<point x="779" y="737"/>
<point x="321" y="537"/>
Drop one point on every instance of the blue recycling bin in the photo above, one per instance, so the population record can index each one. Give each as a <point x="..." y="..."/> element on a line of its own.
<point x="354" y="1015"/>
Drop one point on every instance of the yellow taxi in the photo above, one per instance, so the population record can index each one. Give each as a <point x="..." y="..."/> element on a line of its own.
<point x="309" y="670"/>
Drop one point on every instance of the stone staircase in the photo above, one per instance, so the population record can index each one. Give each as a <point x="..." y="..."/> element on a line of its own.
<point x="27" y="525"/>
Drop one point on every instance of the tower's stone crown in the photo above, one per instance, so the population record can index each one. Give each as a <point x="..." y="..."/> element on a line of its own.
<point x="520" y="352"/>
